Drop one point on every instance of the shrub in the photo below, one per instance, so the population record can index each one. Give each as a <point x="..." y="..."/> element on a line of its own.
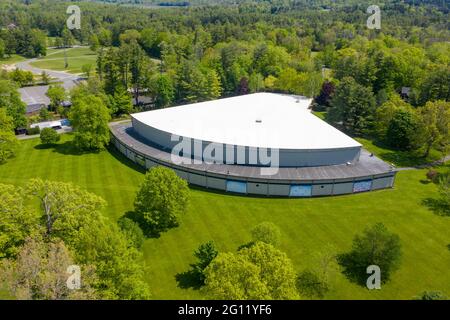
<point x="431" y="295"/>
<point x="132" y="231"/>
<point x="310" y="285"/>
<point x="44" y="114"/>
<point x="444" y="192"/>
<point x="49" y="136"/>
<point x="32" y="131"/>
<point x="432" y="175"/>
<point x="266" y="232"/>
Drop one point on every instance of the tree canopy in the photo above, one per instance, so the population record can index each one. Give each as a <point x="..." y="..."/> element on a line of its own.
<point x="161" y="200"/>
<point x="89" y="117"/>
<point x="376" y="246"/>
<point x="257" y="272"/>
<point x="61" y="226"/>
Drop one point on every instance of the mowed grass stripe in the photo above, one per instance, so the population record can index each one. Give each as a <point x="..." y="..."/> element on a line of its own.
<point x="307" y="225"/>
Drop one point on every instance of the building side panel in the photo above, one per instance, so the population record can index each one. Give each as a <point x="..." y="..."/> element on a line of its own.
<point x="382" y="183"/>
<point x="279" y="190"/>
<point x="197" y="179"/>
<point x="150" y="164"/>
<point x="257" y="188"/>
<point x="322" y="190"/>
<point x="343" y="188"/>
<point x="236" y="186"/>
<point x="216" y="183"/>
<point x="182" y="174"/>
<point x="131" y="155"/>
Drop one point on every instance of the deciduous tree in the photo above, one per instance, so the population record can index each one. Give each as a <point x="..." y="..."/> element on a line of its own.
<point x="257" y="272"/>
<point x="7" y="138"/>
<point x="40" y="272"/>
<point x="161" y="200"/>
<point x="164" y="91"/>
<point x="89" y="117"/>
<point x="10" y="100"/>
<point x="435" y="125"/>
<point x="57" y="95"/>
<point x="66" y="208"/>
<point x="353" y="105"/>
<point x="403" y="129"/>
<point x="376" y="246"/>
<point x="17" y="221"/>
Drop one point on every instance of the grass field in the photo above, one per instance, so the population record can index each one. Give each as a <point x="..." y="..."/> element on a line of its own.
<point x="307" y="224"/>
<point x="397" y="157"/>
<point x="77" y="57"/>
<point x="400" y="158"/>
<point x="14" y="58"/>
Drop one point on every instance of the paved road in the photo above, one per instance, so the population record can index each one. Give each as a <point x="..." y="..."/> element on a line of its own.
<point x="60" y="131"/>
<point x="427" y="165"/>
<point x="36" y="94"/>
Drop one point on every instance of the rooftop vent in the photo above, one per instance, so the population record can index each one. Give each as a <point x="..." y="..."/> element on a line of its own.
<point x="258" y="121"/>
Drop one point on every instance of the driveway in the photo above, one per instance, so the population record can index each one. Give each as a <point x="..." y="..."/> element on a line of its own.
<point x="36" y="95"/>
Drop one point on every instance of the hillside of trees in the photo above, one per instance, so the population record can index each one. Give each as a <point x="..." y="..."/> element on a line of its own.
<point x="320" y="49"/>
<point x="389" y="86"/>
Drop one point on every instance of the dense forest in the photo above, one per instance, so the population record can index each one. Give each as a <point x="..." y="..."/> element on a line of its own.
<point x="202" y="52"/>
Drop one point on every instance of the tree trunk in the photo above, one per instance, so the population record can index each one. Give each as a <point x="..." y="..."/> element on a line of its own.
<point x="136" y="95"/>
<point x="49" y="222"/>
<point x="427" y="151"/>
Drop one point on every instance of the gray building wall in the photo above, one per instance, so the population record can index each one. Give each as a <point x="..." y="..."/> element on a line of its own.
<point x="254" y="188"/>
<point x="322" y="190"/>
<point x="286" y="158"/>
<point x="343" y="188"/>
<point x="216" y="183"/>
<point x="182" y="174"/>
<point x="279" y="190"/>
<point x="197" y="179"/>
<point x="130" y="155"/>
<point x="257" y="188"/>
<point x="382" y="183"/>
<point x="149" y="164"/>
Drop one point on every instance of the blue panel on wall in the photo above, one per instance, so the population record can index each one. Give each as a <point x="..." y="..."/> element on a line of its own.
<point x="362" y="186"/>
<point x="300" y="190"/>
<point x="236" y="186"/>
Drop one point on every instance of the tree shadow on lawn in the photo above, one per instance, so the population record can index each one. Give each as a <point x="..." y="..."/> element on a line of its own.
<point x="43" y="146"/>
<point x="247" y="245"/>
<point x="124" y="160"/>
<point x="437" y="206"/>
<point x="148" y="233"/>
<point x="352" y="270"/>
<point x="65" y="148"/>
<point x="402" y="158"/>
<point x="188" y="279"/>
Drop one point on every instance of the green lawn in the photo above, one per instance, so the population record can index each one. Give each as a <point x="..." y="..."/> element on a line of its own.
<point x="400" y="158"/>
<point x="77" y="57"/>
<point x="396" y="157"/>
<point x="320" y="114"/>
<point x="14" y="58"/>
<point x="307" y="224"/>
